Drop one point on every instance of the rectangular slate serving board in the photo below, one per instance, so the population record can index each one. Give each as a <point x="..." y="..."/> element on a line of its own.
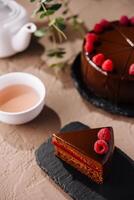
<point x="119" y="185"/>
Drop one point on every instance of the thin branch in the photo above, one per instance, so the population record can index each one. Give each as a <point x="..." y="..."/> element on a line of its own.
<point x="61" y="32"/>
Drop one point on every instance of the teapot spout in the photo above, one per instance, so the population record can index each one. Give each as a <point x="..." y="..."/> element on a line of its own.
<point x="22" y="39"/>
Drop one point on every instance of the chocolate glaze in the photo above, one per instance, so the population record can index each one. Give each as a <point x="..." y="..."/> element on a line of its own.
<point x="118" y="85"/>
<point x="83" y="141"/>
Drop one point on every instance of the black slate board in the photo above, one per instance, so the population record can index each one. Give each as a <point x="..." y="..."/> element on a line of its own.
<point x="119" y="186"/>
<point x="87" y="94"/>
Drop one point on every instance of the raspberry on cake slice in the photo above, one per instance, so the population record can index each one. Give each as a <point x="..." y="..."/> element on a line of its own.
<point x="89" y="151"/>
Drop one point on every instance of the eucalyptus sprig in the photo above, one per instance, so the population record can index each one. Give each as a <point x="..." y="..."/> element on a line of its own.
<point x="55" y="26"/>
<point x="45" y="9"/>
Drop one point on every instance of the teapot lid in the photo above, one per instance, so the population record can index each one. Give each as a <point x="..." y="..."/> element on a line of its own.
<point x="9" y="11"/>
<point x="4" y="10"/>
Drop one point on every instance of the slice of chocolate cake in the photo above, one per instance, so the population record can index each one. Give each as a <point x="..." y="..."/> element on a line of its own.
<point x="89" y="151"/>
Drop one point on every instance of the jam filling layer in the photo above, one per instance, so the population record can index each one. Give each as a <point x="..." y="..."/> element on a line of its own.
<point x="72" y="154"/>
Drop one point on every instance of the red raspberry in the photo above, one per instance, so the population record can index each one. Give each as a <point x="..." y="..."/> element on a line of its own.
<point x="124" y="20"/>
<point x="104" y="134"/>
<point x="132" y="20"/>
<point x="131" y="70"/>
<point x="98" y="28"/>
<point x="105" y="23"/>
<point x="89" y="47"/>
<point x="101" y="147"/>
<point x="98" y="59"/>
<point x="91" y="37"/>
<point x="107" y="65"/>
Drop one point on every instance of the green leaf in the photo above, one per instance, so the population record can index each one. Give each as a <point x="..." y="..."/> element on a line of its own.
<point x="47" y="13"/>
<point x="55" y="7"/>
<point x="60" y="23"/>
<point x="32" y="1"/>
<point x="46" y="1"/>
<point x="40" y="9"/>
<point x="58" y="52"/>
<point x="41" y="32"/>
<point x="50" y="10"/>
<point x="42" y="15"/>
<point x="57" y="65"/>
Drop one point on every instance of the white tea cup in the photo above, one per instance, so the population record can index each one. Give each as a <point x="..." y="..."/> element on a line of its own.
<point x="29" y="114"/>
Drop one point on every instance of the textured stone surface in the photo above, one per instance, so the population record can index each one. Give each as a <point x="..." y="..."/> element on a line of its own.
<point x="20" y="177"/>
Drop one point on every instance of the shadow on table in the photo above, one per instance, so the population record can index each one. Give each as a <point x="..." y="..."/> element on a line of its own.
<point x="32" y="134"/>
<point x="64" y="76"/>
<point x="34" y="49"/>
<point x="31" y="57"/>
<point x="120" y="184"/>
<point x="75" y="33"/>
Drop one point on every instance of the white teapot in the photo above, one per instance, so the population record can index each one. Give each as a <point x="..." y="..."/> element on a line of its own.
<point x="15" y="31"/>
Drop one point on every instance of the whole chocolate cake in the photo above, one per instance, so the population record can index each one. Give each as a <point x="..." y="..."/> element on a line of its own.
<point x="107" y="60"/>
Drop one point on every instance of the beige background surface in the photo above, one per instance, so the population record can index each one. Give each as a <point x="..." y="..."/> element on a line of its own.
<point x="20" y="177"/>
